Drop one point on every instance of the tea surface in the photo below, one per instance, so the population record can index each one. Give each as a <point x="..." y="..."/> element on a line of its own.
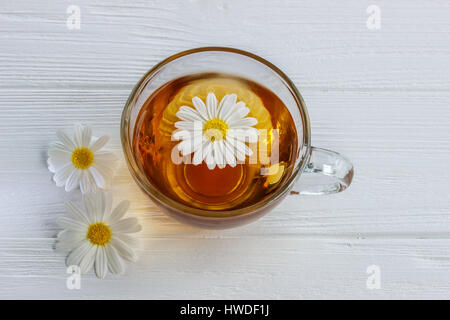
<point x="220" y="188"/>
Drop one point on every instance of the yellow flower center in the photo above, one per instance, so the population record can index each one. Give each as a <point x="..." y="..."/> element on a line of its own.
<point x="82" y="158"/>
<point x="99" y="234"/>
<point x="215" y="129"/>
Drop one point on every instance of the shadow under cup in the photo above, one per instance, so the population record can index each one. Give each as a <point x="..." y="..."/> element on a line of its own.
<point x="241" y="64"/>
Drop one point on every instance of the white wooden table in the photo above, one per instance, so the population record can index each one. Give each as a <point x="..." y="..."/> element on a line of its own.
<point x="381" y="97"/>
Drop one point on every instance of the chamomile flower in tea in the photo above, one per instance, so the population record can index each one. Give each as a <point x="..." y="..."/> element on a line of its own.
<point x="215" y="133"/>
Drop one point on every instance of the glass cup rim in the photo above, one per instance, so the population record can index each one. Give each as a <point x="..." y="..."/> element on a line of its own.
<point x="304" y="153"/>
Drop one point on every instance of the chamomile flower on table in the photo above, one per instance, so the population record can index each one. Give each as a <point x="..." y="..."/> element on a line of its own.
<point x="81" y="162"/>
<point x="215" y="132"/>
<point x="98" y="236"/>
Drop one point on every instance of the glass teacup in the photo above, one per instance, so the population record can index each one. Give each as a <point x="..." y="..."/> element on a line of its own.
<point x="313" y="171"/>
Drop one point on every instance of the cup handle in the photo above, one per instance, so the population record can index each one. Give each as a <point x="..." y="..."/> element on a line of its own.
<point x="327" y="172"/>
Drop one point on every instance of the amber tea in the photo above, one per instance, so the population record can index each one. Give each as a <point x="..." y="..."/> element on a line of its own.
<point x="215" y="141"/>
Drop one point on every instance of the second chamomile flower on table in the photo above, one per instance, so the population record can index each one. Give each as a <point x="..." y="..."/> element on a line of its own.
<point x="98" y="236"/>
<point x="80" y="161"/>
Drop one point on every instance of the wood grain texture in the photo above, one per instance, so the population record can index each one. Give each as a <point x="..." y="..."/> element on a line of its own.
<point x="381" y="97"/>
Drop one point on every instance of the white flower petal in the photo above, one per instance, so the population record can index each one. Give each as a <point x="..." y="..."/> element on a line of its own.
<point x="221" y="103"/>
<point x="218" y="156"/>
<point x="78" y="136"/>
<point x="211" y="105"/>
<point x="207" y="149"/>
<point x="99" y="143"/>
<point x="128" y="225"/>
<point x="239" y="153"/>
<point x="98" y="197"/>
<point x="238" y="114"/>
<point x="245" y="122"/>
<point x="101" y="263"/>
<point x="87" y="261"/>
<point x="75" y="256"/>
<point x="107" y="205"/>
<point x="87" y="136"/>
<point x="105" y="156"/>
<point x="226" y="155"/>
<point x="91" y="206"/>
<point x="200" y="106"/>
<point x="191" y="110"/>
<point x="64" y="138"/>
<point x="58" y="157"/>
<point x="226" y="105"/>
<point x="229" y="154"/>
<point x="132" y="242"/>
<point x="76" y="212"/>
<point x="71" y="224"/>
<point x="198" y="157"/>
<point x="197" y="143"/>
<point x="242" y="147"/>
<point x="210" y="160"/>
<point x="61" y="175"/>
<point x="123" y="249"/>
<point x="106" y="168"/>
<point x="50" y="167"/>
<point x="182" y="134"/>
<point x="98" y="205"/>
<point x="84" y="182"/>
<point x="185" y="116"/>
<point x="185" y="125"/>
<point x="71" y="236"/>
<point x="106" y="172"/>
<point x="189" y="114"/>
<point x="118" y="212"/>
<point x="115" y="263"/>
<point x="87" y="183"/>
<point x="188" y="146"/>
<point x="73" y="181"/>
<point x="67" y="240"/>
<point x="58" y="147"/>
<point x="233" y="110"/>
<point x="201" y="152"/>
<point x="98" y="177"/>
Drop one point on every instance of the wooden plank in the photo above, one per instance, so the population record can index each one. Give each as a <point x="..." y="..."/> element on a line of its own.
<point x="319" y="45"/>
<point x="239" y="269"/>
